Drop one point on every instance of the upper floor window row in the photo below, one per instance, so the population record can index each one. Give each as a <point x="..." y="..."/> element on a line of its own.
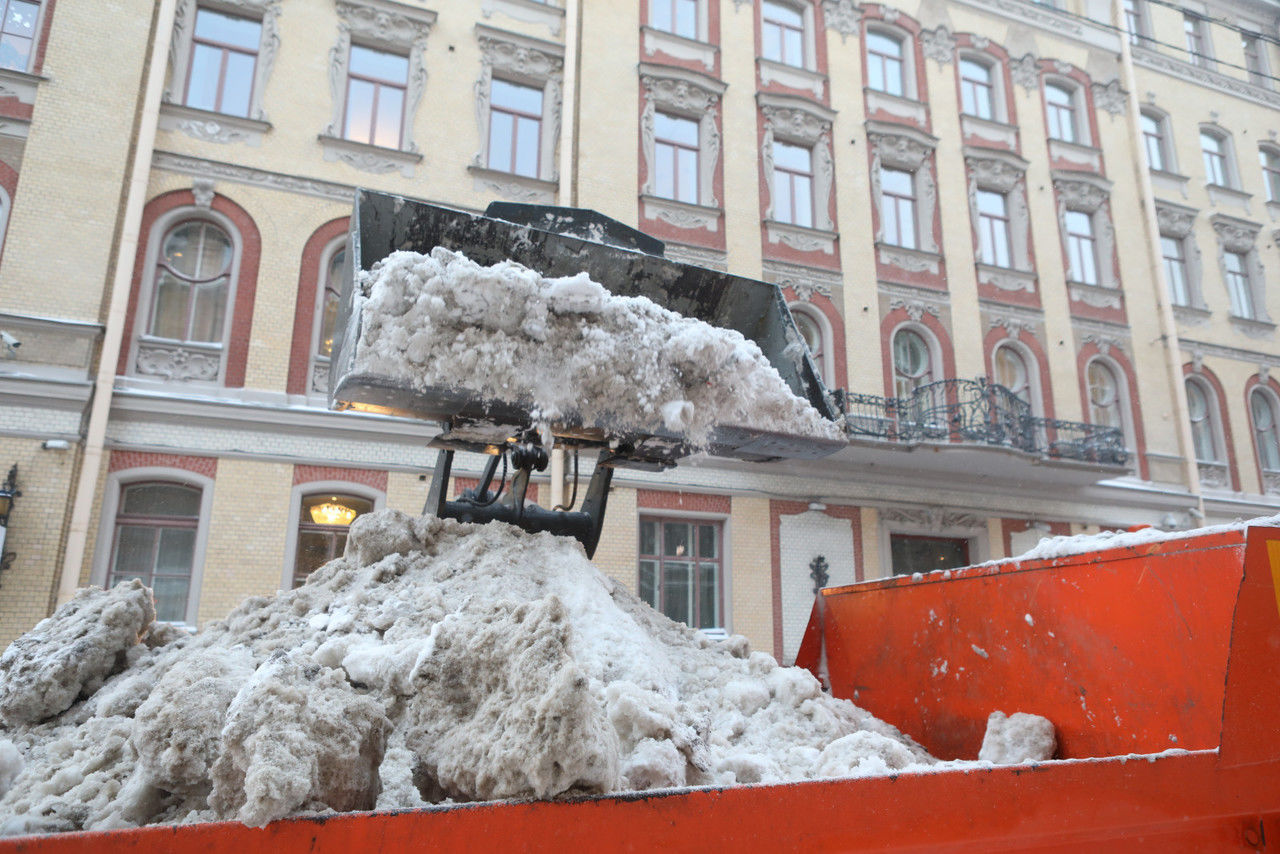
<point x="784" y="33"/>
<point x="18" y="33"/>
<point x="679" y="17"/>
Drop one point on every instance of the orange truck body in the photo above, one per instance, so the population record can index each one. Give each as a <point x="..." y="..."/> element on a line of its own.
<point x="1159" y="664"/>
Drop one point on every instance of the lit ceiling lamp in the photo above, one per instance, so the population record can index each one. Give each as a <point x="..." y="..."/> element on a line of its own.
<point x="332" y="513"/>
<point x="8" y="494"/>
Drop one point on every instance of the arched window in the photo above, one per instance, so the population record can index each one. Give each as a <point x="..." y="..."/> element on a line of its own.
<point x="1012" y="373"/>
<point x="887" y="69"/>
<point x="192" y="280"/>
<point x="1219" y="163"/>
<point x="1104" y="395"/>
<point x="155" y="542"/>
<point x="979" y="88"/>
<point x="328" y="293"/>
<point x="811" y="329"/>
<point x="1262" y="407"/>
<point x="912" y="362"/>
<point x="785" y="33"/>
<point x="323" y="523"/>
<point x="1155" y="137"/>
<point x="1063" y="112"/>
<point x="1203" y="414"/>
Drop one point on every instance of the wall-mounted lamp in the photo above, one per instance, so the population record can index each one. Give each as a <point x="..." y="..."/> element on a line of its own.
<point x="9" y="493"/>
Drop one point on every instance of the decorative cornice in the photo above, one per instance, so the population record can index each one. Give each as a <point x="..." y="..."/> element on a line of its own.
<point x="915" y="308"/>
<point x="681" y="214"/>
<point x="1175" y="220"/>
<point x="1080" y="192"/>
<point x="1110" y="97"/>
<point x="681" y="88"/>
<point x="385" y="21"/>
<point x="698" y="256"/>
<point x="520" y="55"/>
<point x="1012" y="325"/>
<point x="909" y="260"/>
<point x="805" y="281"/>
<point x="932" y="518"/>
<point x="184" y="164"/>
<point x="897" y="145"/>
<point x="1096" y="296"/>
<point x="203" y="191"/>
<point x="938" y="300"/>
<point x="369" y="158"/>
<point x="997" y="171"/>
<point x="1236" y="235"/>
<point x="1203" y="76"/>
<point x="516" y="188"/>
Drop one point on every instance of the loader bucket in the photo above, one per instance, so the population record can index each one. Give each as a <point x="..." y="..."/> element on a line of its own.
<point x="564" y="242"/>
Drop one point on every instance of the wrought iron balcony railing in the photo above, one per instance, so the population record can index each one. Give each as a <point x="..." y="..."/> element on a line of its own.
<point x="977" y="411"/>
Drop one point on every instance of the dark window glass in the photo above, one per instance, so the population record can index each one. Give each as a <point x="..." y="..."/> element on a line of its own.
<point x="911" y="554"/>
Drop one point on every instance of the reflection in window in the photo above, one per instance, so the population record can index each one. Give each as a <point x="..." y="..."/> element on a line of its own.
<point x="675" y="154"/>
<point x="155" y="542"/>
<point x="898" y="207"/>
<point x="330" y="293"/>
<point x="1264" y="430"/>
<point x="18" y="33"/>
<point x="681" y="570"/>
<point x="885" y="67"/>
<point x="224" y="55"/>
<point x="193" y="275"/>
<point x="792" y="184"/>
<point x="1082" y="253"/>
<point x="782" y="33"/>
<point x="515" y="128"/>
<point x="376" y="83"/>
<point x="977" y="90"/>
<point x="1202" y="423"/>
<point x="323" y="524"/>
<point x="912" y="362"/>
<point x="675" y="16"/>
<point x="1104" y="395"/>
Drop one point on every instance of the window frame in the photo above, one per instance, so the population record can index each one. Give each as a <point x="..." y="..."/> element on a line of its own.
<point x="823" y="359"/>
<point x="677" y="146"/>
<point x="1161" y="139"/>
<point x="1225" y="157"/>
<point x="905" y="60"/>
<point x="694" y="97"/>
<point x="522" y="61"/>
<point x="994" y="84"/>
<point x="1269" y="161"/>
<point x="104" y="558"/>
<point x="1256" y="61"/>
<point x="1268" y="397"/>
<point x="225" y="48"/>
<point x="1239" y="284"/>
<point x="315" y="487"/>
<point x="993" y="225"/>
<point x="903" y="381"/>
<point x="807" y="47"/>
<point x="1074" y="110"/>
<point x="1083" y="245"/>
<point x="378" y="84"/>
<point x="899" y="202"/>
<point x="266" y="12"/>
<point x="1088" y="196"/>
<point x="516" y="115"/>
<point x="699" y="18"/>
<point x="1136" y="23"/>
<point x="142" y="341"/>
<point x="1212" y="420"/>
<point x="1239" y="239"/>
<point x="801" y="123"/>
<point x="1030" y="365"/>
<point x="659" y="516"/>
<point x="1123" y="402"/>
<point x="1182" y="299"/>
<point x="315" y="359"/>
<point x="1199" y="47"/>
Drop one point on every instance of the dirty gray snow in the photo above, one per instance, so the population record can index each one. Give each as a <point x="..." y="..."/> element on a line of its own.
<point x="435" y="662"/>
<point x="568" y="348"/>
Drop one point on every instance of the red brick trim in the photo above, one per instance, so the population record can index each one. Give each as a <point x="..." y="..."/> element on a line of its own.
<point x="43" y="43"/>
<point x="968" y="42"/>
<point x="836" y="342"/>
<point x="366" y="477"/>
<point x="124" y="460"/>
<point x="1215" y="385"/>
<point x="998" y="335"/>
<point x="463" y="483"/>
<point x="689" y="502"/>
<point x="304" y="312"/>
<point x="778" y="509"/>
<point x="1252" y="383"/>
<point x="246" y="285"/>
<point x="8" y="180"/>
<point x="899" y="318"/>
<point x="1121" y="363"/>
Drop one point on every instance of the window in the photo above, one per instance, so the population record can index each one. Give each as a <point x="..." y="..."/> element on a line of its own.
<point x="18" y="33"/>
<point x="911" y="554"/>
<point x="1175" y="269"/>
<point x="977" y="89"/>
<point x="1197" y="39"/>
<point x="886" y="71"/>
<point x="1236" y="271"/>
<point x="1255" y="60"/>
<point x="328" y="297"/>
<point x="811" y="330"/>
<point x="1265" y="436"/>
<point x="792" y="184"/>
<point x="1134" y="22"/>
<point x="224" y="56"/>
<point x="515" y="127"/>
<point x="1082" y="251"/>
<point x="993" y="229"/>
<point x="898" y="207"/>
<point x="376" y="84"/>
<point x="1203" y="422"/>
<point x="682" y="570"/>
<point x="1270" y="160"/>
<point x="1104" y="395"/>
<point x="782" y="33"/>
<point x="1217" y="166"/>
<point x="1153" y="137"/>
<point x="912" y="362"/>
<point x="676" y="158"/>
<point x="675" y="16"/>
<point x="192" y="281"/>
<point x="1011" y="372"/>
<point x="323" y="524"/>
<point x="1060" y="106"/>
<point x="155" y="542"/>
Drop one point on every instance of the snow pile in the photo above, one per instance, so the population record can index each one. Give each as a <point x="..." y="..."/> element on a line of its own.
<point x="1016" y="738"/>
<point x="1065" y="546"/>
<point x="569" y="349"/>
<point x="435" y="661"/>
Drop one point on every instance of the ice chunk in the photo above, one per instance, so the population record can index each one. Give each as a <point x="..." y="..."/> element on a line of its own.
<point x="1016" y="738"/>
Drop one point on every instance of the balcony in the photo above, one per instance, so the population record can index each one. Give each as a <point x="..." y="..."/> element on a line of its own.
<point x="979" y="414"/>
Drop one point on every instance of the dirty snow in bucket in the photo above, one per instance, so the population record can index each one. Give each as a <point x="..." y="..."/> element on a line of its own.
<point x="567" y="348"/>
<point x="434" y="662"/>
<point x="1016" y="738"/>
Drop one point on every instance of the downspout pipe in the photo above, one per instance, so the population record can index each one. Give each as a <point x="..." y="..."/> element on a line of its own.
<point x="1155" y="264"/>
<point x="121" y="283"/>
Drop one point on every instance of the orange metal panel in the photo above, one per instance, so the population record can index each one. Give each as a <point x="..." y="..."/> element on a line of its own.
<point x="1124" y="649"/>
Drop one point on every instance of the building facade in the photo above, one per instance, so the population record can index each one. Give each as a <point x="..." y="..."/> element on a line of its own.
<point x="1029" y="242"/>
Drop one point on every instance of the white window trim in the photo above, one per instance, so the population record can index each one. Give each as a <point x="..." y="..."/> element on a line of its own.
<point x="388" y="26"/>
<point x="528" y="62"/>
<point x="910" y="86"/>
<point x="932" y="522"/>
<point x="805" y="8"/>
<point x="692" y="96"/>
<point x="999" y="96"/>
<point x="1264" y="72"/>
<point x="334" y="487"/>
<point x="1177" y="223"/>
<point x="1122" y="397"/>
<point x="1079" y="108"/>
<point x="184" y="26"/>
<point x="186" y="363"/>
<point x="101" y="567"/>
<point x="726" y="552"/>
<point x="1005" y="174"/>
<point x="898" y="147"/>
<point x="1231" y="165"/>
<point x="1168" y="150"/>
<point x="1090" y="195"/>
<point x="796" y="121"/>
<point x="826" y="363"/>
<point x="1241" y="236"/>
